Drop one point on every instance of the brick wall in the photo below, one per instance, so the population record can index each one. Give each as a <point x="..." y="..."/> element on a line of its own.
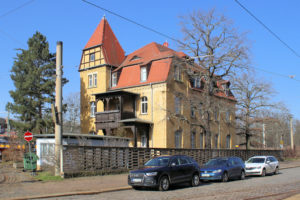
<point x="98" y="160"/>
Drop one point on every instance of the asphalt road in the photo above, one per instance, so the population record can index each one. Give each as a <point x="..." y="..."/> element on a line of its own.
<point x="285" y="184"/>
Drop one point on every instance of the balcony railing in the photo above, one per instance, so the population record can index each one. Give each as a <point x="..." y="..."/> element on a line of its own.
<point x="110" y="119"/>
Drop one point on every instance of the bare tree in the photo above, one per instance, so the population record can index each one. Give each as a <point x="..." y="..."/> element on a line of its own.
<point x="252" y="96"/>
<point x="219" y="50"/>
<point x="297" y="133"/>
<point x="72" y="115"/>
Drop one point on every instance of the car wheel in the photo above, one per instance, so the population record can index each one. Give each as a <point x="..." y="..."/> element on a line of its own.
<point x="263" y="173"/>
<point x="242" y="177"/>
<point x="276" y="170"/>
<point x="164" y="183"/>
<point x="225" y="177"/>
<point x="195" y="180"/>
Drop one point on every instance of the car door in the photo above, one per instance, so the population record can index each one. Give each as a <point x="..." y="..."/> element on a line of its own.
<point x="186" y="168"/>
<point x="273" y="163"/>
<point x="231" y="168"/>
<point x="268" y="165"/>
<point x="176" y="173"/>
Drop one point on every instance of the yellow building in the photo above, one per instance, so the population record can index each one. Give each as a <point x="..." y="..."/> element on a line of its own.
<point x="149" y="96"/>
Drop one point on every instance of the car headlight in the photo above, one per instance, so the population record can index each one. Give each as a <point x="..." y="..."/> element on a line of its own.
<point x="258" y="167"/>
<point x="217" y="171"/>
<point x="151" y="174"/>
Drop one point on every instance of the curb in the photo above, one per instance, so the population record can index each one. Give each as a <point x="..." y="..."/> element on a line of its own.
<point x="73" y="193"/>
<point x="91" y="192"/>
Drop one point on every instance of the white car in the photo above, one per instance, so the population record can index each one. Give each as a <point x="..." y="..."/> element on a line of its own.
<point x="262" y="165"/>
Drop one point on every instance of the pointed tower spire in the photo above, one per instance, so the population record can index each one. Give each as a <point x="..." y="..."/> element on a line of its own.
<point x="104" y="36"/>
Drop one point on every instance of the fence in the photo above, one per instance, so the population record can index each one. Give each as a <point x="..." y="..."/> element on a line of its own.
<point x="99" y="160"/>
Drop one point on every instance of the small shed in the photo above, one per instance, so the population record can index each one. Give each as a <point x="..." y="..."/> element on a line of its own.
<point x="45" y="144"/>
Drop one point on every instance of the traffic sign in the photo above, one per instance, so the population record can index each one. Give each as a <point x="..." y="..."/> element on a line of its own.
<point x="28" y="136"/>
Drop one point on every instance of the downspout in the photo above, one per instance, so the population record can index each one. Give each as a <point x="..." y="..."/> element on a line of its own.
<point x="151" y="114"/>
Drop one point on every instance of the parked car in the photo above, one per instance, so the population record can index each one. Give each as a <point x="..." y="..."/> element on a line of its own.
<point x="165" y="170"/>
<point x="223" y="168"/>
<point x="262" y="165"/>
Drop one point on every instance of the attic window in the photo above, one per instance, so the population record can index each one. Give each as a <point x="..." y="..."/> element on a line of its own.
<point x="92" y="57"/>
<point x="135" y="58"/>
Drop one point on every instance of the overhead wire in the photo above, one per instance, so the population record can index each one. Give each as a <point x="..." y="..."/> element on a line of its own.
<point x="162" y="34"/>
<point x="17" y="8"/>
<point x="9" y="12"/>
<point x="268" y="29"/>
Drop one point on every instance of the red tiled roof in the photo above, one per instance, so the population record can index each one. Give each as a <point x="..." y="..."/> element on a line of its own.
<point x="144" y="55"/>
<point x="112" y="50"/>
<point x="158" y="72"/>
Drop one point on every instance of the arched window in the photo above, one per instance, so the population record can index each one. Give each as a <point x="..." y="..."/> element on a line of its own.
<point x="144" y="105"/>
<point x="228" y="142"/>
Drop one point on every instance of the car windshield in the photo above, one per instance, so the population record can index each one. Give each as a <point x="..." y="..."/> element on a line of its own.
<point x="216" y="162"/>
<point x="256" y="160"/>
<point x="160" y="161"/>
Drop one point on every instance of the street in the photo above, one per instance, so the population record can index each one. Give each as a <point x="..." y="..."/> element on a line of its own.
<point x="280" y="186"/>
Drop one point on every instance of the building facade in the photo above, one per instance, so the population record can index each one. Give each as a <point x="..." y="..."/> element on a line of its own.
<point x="150" y="96"/>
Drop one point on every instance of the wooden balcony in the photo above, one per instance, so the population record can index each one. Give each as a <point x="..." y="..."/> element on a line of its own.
<point x="110" y="119"/>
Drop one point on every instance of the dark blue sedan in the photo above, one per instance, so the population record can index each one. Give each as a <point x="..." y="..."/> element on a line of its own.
<point x="223" y="168"/>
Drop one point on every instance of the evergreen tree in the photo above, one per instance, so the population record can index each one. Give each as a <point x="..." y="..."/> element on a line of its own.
<point x="33" y="74"/>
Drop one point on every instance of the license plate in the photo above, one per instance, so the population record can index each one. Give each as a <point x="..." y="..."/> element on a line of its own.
<point x="136" y="180"/>
<point x="205" y="175"/>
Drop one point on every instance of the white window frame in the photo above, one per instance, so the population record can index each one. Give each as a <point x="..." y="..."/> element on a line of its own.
<point x="114" y="79"/>
<point x="144" y="74"/>
<point x="144" y="105"/>
<point x="92" y="80"/>
<point x="92" y="109"/>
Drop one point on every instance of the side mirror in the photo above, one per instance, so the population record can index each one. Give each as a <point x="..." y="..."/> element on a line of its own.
<point x="173" y="164"/>
<point x="268" y="161"/>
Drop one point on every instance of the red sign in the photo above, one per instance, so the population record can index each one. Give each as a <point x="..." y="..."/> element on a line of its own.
<point x="28" y="136"/>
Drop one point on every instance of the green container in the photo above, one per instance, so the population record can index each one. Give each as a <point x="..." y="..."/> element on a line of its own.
<point x="30" y="161"/>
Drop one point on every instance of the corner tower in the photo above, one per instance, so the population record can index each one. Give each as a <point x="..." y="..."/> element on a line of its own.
<point x="100" y="56"/>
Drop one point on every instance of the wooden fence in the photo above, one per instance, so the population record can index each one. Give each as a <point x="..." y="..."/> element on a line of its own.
<point x="99" y="160"/>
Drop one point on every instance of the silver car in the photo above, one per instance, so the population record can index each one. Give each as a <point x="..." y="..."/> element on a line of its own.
<point x="262" y="165"/>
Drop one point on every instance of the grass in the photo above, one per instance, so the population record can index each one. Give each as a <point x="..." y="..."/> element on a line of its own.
<point x="47" y="176"/>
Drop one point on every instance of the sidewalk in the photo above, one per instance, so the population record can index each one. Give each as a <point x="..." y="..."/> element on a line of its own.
<point x="73" y="186"/>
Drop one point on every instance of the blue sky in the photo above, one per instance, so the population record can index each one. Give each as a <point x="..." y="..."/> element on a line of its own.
<point x="73" y="22"/>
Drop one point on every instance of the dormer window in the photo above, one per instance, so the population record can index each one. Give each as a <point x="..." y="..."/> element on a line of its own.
<point x="135" y="58"/>
<point x="143" y="74"/>
<point x="92" y="57"/>
<point x="114" y="80"/>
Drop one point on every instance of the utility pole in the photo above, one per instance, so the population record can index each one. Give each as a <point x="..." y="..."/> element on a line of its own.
<point x="292" y="133"/>
<point x="263" y="135"/>
<point x="58" y="105"/>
